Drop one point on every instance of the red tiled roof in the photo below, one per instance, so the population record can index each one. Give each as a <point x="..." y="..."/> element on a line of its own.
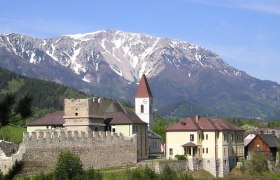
<point x="55" y="118"/>
<point x="143" y="88"/>
<point x="190" y="124"/>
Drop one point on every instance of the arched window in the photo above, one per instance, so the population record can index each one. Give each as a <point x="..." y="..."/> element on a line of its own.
<point x="142" y="108"/>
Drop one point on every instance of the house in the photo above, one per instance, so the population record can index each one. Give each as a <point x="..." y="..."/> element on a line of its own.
<point x="126" y="122"/>
<point x="214" y="145"/>
<point x="262" y="145"/>
<point x="154" y="142"/>
<point x="51" y="121"/>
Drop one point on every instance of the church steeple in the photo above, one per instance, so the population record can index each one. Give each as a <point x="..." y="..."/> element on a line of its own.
<point x="144" y="101"/>
<point x="143" y="88"/>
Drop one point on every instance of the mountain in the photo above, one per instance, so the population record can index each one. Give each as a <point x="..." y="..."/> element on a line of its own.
<point x="109" y="63"/>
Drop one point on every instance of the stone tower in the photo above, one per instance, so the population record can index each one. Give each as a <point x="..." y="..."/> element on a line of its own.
<point x="83" y="115"/>
<point x="144" y="101"/>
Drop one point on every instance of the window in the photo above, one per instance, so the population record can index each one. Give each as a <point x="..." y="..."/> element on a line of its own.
<point x="134" y="130"/>
<point x="199" y="136"/>
<point x="203" y="150"/>
<point x="198" y="151"/>
<point x="185" y="151"/>
<point x="225" y="151"/>
<point x="206" y="136"/>
<point x="76" y="114"/>
<point x="96" y="128"/>
<point x="142" y="108"/>
<point x="114" y="130"/>
<point x="191" y="137"/>
<point x="202" y="136"/>
<point x="170" y="151"/>
<point x="207" y="150"/>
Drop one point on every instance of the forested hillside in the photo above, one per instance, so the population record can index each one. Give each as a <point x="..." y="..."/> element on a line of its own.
<point x="47" y="96"/>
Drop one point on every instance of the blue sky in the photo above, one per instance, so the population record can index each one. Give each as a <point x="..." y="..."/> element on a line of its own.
<point x="245" y="33"/>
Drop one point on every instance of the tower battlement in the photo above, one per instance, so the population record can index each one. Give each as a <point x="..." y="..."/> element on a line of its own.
<point x="73" y="138"/>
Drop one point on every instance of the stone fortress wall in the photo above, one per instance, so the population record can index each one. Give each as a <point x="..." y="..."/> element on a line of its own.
<point x="39" y="150"/>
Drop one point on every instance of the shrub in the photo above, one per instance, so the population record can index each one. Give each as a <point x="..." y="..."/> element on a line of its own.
<point x="168" y="174"/>
<point x="17" y="167"/>
<point x="68" y="166"/>
<point x="180" y="157"/>
<point x="1" y="176"/>
<point x="92" y="174"/>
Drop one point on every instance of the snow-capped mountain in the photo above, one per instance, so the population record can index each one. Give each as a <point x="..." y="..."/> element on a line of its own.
<point x="110" y="63"/>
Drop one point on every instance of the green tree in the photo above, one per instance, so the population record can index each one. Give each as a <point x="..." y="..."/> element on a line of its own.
<point x="24" y="106"/>
<point x="9" y="109"/>
<point x="68" y="166"/>
<point x="6" y="107"/>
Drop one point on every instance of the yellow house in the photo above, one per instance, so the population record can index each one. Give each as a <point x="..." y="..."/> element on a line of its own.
<point x="128" y="123"/>
<point x="51" y="121"/>
<point x="215" y="145"/>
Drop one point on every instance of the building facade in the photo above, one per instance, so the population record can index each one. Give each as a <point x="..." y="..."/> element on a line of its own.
<point x="120" y="120"/>
<point x="265" y="145"/>
<point x="214" y="145"/>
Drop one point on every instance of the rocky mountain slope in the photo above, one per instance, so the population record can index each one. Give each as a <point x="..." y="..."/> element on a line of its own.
<point x="109" y="63"/>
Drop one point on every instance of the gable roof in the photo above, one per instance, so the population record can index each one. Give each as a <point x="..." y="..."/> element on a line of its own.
<point x="116" y="114"/>
<point x="143" y="89"/>
<point x="153" y="135"/>
<point x="55" y="118"/>
<point x="189" y="144"/>
<point x="191" y="124"/>
<point x="270" y="139"/>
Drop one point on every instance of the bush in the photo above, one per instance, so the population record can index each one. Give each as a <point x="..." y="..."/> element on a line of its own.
<point x="17" y="167"/>
<point x="68" y="166"/>
<point x="180" y="157"/>
<point x="141" y="174"/>
<point x="92" y="174"/>
<point x="168" y="174"/>
<point x="1" y="176"/>
<point x="259" y="164"/>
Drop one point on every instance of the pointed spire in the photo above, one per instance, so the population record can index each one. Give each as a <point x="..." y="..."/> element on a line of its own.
<point x="143" y="88"/>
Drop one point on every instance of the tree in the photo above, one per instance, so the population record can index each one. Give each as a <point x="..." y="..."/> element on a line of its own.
<point x="6" y="108"/>
<point x="68" y="166"/>
<point x="9" y="109"/>
<point x="24" y="106"/>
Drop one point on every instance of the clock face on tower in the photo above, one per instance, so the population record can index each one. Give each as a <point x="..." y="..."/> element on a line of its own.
<point x="144" y="101"/>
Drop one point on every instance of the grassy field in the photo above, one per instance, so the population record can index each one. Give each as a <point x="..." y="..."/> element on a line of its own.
<point x="12" y="133"/>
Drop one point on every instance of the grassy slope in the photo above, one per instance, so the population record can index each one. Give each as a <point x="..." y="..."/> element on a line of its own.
<point x="12" y="133"/>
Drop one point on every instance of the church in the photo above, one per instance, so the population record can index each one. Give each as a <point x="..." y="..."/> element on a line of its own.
<point x="85" y="115"/>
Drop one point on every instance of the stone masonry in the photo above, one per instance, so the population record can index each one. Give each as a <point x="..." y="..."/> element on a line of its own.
<point x="39" y="150"/>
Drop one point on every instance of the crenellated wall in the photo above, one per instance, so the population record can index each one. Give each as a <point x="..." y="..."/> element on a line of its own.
<point x="39" y="150"/>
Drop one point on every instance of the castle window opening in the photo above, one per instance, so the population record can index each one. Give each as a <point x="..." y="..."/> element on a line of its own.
<point x="142" y="108"/>
<point x="76" y="114"/>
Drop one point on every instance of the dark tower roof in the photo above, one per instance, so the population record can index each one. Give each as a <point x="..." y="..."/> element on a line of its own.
<point x="143" y="88"/>
<point x="115" y="107"/>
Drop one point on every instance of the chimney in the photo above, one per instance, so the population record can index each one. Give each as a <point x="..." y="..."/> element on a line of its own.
<point x="197" y="117"/>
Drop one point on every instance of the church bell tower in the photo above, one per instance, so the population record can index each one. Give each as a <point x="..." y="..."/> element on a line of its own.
<point x="144" y="101"/>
